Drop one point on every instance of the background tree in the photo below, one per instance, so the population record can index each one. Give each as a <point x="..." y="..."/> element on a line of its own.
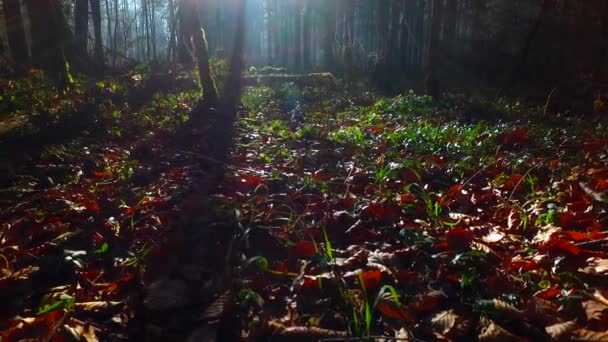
<point x="193" y="33"/>
<point x="98" y="47"/>
<point x="15" y="31"/>
<point x="431" y="82"/>
<point x="50" y="34"/>
<point x="81" y="27"/>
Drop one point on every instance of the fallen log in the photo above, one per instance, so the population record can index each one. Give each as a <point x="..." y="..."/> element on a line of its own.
<point x="324" y="79"/>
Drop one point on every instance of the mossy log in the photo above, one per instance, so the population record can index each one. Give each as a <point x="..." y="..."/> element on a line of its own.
<point x="305" y="80"/>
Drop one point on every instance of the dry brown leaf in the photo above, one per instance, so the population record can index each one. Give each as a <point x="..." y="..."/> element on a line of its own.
<point x="403" y="335"/>
<point x="301" y="331"/>
<point x="595" y="310"/>
<point x="601" y="296"/>
<point x="492" y="332"/>
<point x="596" y="266"/>
<point x="561" y="330"/>
<point x="506" y="310"/>
<point x="444" y="321"/>
<point x="589" y="335"/>
<point x="545" y="234"/>
<point x="542" y="311"/>
<point x="493" y="236"/>
<point x="81" y="331"/>
<point x="219" y="307"/>
<point x="97" y="306"/>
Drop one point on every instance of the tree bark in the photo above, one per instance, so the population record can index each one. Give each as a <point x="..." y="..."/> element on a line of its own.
<point x="49" y="35"/>
<point x="519" y="68"/>
<point x="15" y="31"/>
<point x="81" y="27"/>
<point x="432" y="83"/>
<point x="98" y="48"/>
<point x="330" y="35"/>
<point x="196" y="35"/>
<point x="307" y="50"/>
<point x="298" y="37"/>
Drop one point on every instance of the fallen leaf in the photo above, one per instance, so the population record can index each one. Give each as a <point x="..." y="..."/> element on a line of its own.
<point x="492" y="332"/>
<point x="561" y="330"/>
<point x="444" y="321"/>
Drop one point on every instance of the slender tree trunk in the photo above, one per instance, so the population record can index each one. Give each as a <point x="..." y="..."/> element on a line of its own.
<point x="15" y="31"/>
<point x="172" y="33"/>
<point x="96" y="16"/>
<point x="183" y="40"/>
<point x="330" y="35"/>
<point x="520" y="68"/>
<point x="115" y="36"/>
<point x="432" y="83"/>
<point x="307" y="37"/>
<point x="50" y="33"/>
<point x="195" y="34"/>
<point x="109" y="28"/>
<point x="602" y="55"/>
<point x="81" y="27"/>
<point x="153" y="29"/>
<point x="298" y="37"/>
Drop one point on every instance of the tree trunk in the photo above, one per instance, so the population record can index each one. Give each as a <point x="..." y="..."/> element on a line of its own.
<point x="196" y="35"/>
<point x="298" y="37"/>
<point x="330" y="35"/>
<point x="98" y="49"/>
<point x="49" y="35"/>
<point x="172" y="33"/>
<point x="432" y="83"/>
<point x="307" y="37"/>
<point x="15" y="31"/>
<point x="109" y="28"/>
<point x="602" y="55"/>
<point x="520" y="68"/>
<point x="81" y="27"/>
<point x="183" y="40"/>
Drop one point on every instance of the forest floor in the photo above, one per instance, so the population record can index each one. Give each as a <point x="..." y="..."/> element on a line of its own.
<point x="338" y="214"/>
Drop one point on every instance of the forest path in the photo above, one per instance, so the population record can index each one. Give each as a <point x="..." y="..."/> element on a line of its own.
<point x="92" y="223"/>
<point x="336" y="214"/>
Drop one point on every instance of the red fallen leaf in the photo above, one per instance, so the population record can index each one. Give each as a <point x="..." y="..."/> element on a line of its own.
<point x="320" y="175"/>
<point x="559" y="245"/>
<point x="78" y="103"/>
<point x="371" y="280"/>
<point x="554" y="164"/>
<point x="304" y="249"/>
<point x="309" y="283"/>
<point x="512" y="181"/>
<point x="282" y="266"/>
<point x="385" y="213"/>
<point x="92" y="206"/>
<point x="459" y="238"/>
<point x="112" y="157"/>
<point x="427" y="302"/>
<point x="251" y="180"/>
<point x="576" y="221"/>
<point x="602" y="184"/>
<point x="523" y="265"/>
<point x="406" y="199"/>
<point x="313" y="233"/>
<point x="392" y="310"/>
<point x="594" y="144"/>
<point x="549" y="293"/>
<point x="578" y="236"/>
<point x="455" y="190"/>
<point x="100" y="174"/>
<point x="406" y="277"/>
<point x="516" y="136"/>
<point x="176" y="173"/>
<point x="88" y="275"/>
